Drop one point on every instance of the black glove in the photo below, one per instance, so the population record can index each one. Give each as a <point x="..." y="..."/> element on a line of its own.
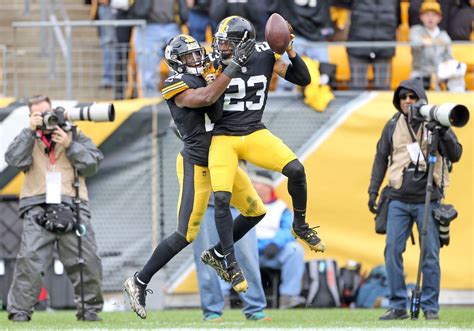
<point x="242" y="54"/>
<point x="271" y="251"/>
<point x="372" y="203"/>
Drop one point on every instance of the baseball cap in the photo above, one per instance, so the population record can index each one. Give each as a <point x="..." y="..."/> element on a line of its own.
<point x="430" y="6"/>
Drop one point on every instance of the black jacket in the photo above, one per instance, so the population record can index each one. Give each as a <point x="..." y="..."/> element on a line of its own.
<point x="250" y="9"/>
<point x="410" y="191"/>
<point x="310" y="22"/>
<point x="374" y="20"/>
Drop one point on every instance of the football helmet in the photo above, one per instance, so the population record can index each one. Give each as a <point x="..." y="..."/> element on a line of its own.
<point x="230" y="32"/>
<point x="184" y="54"/>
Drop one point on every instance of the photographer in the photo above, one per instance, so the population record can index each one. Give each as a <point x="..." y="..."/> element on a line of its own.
<point x="402" y="149"/>
<point x="48" y="156"/>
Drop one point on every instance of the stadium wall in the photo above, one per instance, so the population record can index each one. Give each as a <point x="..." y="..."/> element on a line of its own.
<point x="338" y="148"/>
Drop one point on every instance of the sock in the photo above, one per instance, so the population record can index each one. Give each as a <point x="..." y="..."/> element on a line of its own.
<point x="163" y="253"/>
<point x="224" y="221"/>
<point x="139" y="282"/>
<point x="218" y="254"/>
<point x="294" y="170"/>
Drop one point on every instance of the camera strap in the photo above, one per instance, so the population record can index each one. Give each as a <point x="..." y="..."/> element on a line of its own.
<point x="50" y="146"/>
<point x="415" y="140"/>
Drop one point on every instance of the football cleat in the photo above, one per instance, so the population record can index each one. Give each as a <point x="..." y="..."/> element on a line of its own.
<point x="309" y="236"/>
<point x="237" y="278"/>
<point x="137" y="295"/>
<point x="217" y="263"/>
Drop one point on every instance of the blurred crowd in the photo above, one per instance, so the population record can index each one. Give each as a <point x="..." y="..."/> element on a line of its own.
<point x="313" y="21"/>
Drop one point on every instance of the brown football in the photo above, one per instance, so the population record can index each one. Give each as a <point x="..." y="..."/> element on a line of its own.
<point x="277" y="33"/>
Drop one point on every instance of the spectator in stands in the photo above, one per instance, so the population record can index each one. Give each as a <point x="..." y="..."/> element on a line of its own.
<point x="461" y="20"/>
<point x="414" y="12"/>
<point x="276" y="245"/>
<point x="310" y="24"/>
<point x="249" y="9"/>
<point x="122" y="49"/>
<point x="213" y="291"/>
<point x="199" y="19"/>
<point x="430" y="45"/>
<point x="372" y="21"/>
<point x="48" y="158"/>
<point x="163" y="23"/>
<point x="108" y="39"/>
<point x="457" y="18"/>
<point x="406" y="194"/>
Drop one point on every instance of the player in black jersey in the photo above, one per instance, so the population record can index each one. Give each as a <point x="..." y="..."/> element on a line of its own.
<point x="241" y="135"/>
<point x="191" y="102"/>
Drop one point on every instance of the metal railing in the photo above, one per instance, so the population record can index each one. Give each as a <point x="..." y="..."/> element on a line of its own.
<point x="79" y="78"/>
<point x="65" y="40"/>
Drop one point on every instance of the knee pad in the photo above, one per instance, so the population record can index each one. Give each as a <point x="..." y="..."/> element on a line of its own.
<point x="177" y="241"/>
<point x="294" y="171"/>
<point x="222" y="203"/>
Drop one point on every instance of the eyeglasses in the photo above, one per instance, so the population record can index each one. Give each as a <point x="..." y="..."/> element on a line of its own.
<point x="410" y="96"/>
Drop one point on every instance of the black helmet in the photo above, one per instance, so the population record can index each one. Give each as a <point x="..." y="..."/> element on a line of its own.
<point x="232" y="30"/>
<point x="179" y="49"/>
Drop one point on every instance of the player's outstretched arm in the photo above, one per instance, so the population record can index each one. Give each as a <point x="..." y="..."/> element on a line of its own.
<point x="296" y="72"/>
<point x="206" y="96"/>
<point x="203" y="96"/>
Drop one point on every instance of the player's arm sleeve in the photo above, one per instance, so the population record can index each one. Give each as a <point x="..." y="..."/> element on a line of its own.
<point x="173" y="88"/>
<point x="297" y="72"/>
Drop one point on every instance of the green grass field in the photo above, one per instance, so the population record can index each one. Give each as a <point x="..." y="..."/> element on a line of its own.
<point x="450" y="318"/>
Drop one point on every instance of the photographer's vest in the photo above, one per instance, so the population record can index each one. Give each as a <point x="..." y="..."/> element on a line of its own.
<point x="400" y="159"/>
<point x="35" y="176"/>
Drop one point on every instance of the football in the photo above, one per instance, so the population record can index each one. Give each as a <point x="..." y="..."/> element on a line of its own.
<point x="277" y="33"/>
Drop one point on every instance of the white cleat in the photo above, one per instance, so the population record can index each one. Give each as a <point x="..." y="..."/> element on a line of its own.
<point x="137" y="295"/>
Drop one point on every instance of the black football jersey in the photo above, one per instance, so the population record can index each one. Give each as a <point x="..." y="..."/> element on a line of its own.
<point x="246" y="95"/>
<point x="310" y="19"/>
<point x="193" y="124"/>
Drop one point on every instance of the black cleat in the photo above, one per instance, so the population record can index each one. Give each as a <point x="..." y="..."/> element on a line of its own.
<point x="217" y="263"/>
<point x="309" y="236"/>
<point x="431" y="315"/>
<point x="89" y="317"/>
<point x="137" y="295"/>
<point x="238" y="281"/>
<point x="19" y="317"/>
<point x="394" y="314"/>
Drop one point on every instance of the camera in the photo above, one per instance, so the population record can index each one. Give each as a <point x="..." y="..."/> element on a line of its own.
<point x="446" y="114"/>
<point x="444" y="215"/>
<point x="97" y="112"/>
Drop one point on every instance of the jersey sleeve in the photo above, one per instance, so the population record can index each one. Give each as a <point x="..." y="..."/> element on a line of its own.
<point x="173" y="86"/>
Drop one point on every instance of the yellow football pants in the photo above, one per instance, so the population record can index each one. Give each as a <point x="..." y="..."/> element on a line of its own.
<point x="261" y="148"/>
<point x="195" y="190"/>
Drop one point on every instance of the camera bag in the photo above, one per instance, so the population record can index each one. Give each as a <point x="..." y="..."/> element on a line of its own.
<point x="57" y="218"/>
<point x="382" y="213"/>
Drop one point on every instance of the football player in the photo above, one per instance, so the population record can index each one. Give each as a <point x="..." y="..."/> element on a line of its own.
<point x="241" y="135"/>
<point x="191" y="102"/>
